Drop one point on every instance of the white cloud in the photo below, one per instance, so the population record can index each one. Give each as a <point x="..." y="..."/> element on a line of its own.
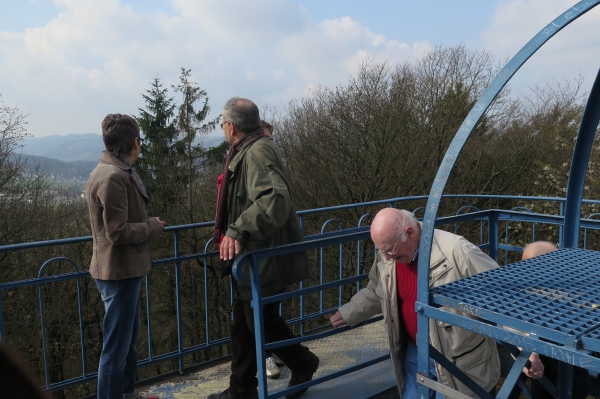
<point x="97" y="57"/>
<point x="278" y="74"/>
<point x="571" y="52"/>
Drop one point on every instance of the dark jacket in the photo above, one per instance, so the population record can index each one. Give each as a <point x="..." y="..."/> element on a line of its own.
<point x="121" y="229"/>
<point x="262" y="215"/>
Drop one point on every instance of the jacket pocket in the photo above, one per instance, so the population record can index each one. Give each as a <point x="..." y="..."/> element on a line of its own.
<point x="240" y="197"/>
<point x="145" y="246"/>
<point x="438" y="270"/>
<point x="475" y="363"/>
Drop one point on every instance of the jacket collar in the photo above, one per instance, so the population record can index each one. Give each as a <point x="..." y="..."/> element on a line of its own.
<point x="234" y="163"/>
<point x="112" y="159"/>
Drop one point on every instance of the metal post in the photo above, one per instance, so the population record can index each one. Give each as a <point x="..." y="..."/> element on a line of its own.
<point x="2" y="333"/>
<point x="493" y="236"/>
<point x="259" y="332"/>
<point x="178" y="301"/>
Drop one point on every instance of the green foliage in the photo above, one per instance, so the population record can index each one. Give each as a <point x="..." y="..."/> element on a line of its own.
<point x="158" y="166"/>
<point x="382" y="134"/>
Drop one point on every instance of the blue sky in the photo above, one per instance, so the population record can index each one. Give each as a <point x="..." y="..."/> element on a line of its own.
<point x="68" y="63"/>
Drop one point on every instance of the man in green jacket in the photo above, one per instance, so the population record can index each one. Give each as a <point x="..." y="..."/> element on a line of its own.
<point x="255" y="210"/>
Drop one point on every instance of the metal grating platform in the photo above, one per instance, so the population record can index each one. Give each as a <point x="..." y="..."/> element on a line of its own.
<point x="555" y="297"/>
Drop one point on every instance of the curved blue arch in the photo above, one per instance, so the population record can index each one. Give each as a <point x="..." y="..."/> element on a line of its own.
<point x="456" y="146"/>
<point x="581" y="156"/>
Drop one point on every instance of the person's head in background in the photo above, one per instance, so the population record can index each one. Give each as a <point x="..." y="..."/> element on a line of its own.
<point x="268" y="129"/>
<point x="538" y="248"/>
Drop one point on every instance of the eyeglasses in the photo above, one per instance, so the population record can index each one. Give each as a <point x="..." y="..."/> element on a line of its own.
<point x="222" y="123"/>
<point x="141" y="140"/>
<point x="390" y="253"/>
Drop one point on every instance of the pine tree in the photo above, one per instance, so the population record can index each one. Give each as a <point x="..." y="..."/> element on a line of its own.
<point x="158" y="165"/>
<point x="190" y="123"/>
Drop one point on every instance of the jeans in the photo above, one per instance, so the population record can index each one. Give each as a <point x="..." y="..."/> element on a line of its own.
<point x="121" y="330"/>
<point x="410" y="374"/>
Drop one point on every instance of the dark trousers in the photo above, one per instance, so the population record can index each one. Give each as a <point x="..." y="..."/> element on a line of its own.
<point x="243" y="381"/>
<point x="581" y="380"/>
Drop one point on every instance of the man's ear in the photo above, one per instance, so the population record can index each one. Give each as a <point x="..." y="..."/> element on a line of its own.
<point x="409" y="231"/>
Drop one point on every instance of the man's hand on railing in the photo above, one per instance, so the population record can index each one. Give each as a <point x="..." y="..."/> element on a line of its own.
<point x="229" y="248"/>
<point x="536" y="370"/>
<point x="337" y="320"/>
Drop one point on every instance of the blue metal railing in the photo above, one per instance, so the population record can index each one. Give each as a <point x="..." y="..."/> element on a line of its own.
<point x="336" y="239"/>
<point x="492" y="217"/>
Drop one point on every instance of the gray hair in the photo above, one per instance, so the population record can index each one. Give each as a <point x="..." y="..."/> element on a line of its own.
<point x="406" y="219"/>
<point x="243" y="113"/>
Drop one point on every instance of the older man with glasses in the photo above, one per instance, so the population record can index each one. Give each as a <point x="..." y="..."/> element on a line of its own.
<point x="255" y="210"/>
<point x="392" y="290"/>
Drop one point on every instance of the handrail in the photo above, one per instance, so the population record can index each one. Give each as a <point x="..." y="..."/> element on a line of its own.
<point x="74" y="240"/>
<point x="352" y="278"/>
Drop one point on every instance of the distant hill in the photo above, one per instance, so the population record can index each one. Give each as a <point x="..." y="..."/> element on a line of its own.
<point x="72" y="147"/>
<point x="56" y="170"/>
<point x="81" y="147"/>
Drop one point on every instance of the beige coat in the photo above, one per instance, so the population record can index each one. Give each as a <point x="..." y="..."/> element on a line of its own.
<point x="452" y="258"/>
<point x="121" y="229"/>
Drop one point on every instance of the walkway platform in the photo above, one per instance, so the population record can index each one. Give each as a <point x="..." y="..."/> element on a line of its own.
<point x="335" y="352"/>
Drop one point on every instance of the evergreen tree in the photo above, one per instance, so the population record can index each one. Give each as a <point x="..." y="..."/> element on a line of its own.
<point x="158" y="165"/>
<point x="191" y="122"/>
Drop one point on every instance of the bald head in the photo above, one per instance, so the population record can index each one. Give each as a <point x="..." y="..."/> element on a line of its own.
<point x="396" y="232"/>
<point x="538" y="248"/>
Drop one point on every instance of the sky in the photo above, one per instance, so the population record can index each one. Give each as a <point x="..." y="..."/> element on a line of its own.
<point x="68" y="63"/>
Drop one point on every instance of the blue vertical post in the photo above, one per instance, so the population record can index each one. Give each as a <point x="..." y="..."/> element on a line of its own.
<point x="564" y="384"/>
<point x="493" y="236"/>
<point x="259" y="331"/>
<point x="579" y="163"/>
<point x="43" y="321"/>
<point x="206" y="316"/>
<point x="149" y="327"/>
<point x="561" y="227"/>
<point x="178" y="301"/>
<point x="81" y="335"/>
<point x="2" y="333"/>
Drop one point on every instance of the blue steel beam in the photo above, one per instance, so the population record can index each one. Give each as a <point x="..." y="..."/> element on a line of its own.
<point x="530" y="343"/>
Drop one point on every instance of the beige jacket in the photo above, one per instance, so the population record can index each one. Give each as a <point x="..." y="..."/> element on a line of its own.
<point x="121" y="229"/>
<point x="452" y="258"/>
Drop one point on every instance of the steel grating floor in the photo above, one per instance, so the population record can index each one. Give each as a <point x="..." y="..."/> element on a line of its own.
<point x="555" y="296"/>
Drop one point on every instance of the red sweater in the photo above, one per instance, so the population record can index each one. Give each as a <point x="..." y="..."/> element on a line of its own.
<point x="406" y="275"/>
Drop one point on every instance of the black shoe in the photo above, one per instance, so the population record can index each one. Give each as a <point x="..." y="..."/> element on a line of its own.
<point x="223" y="395"/>
<point x="303" y="376"/>
<point x="228" y="395"/>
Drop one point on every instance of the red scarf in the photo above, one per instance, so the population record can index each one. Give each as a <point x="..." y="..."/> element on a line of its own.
<point x="221" y="221"/>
